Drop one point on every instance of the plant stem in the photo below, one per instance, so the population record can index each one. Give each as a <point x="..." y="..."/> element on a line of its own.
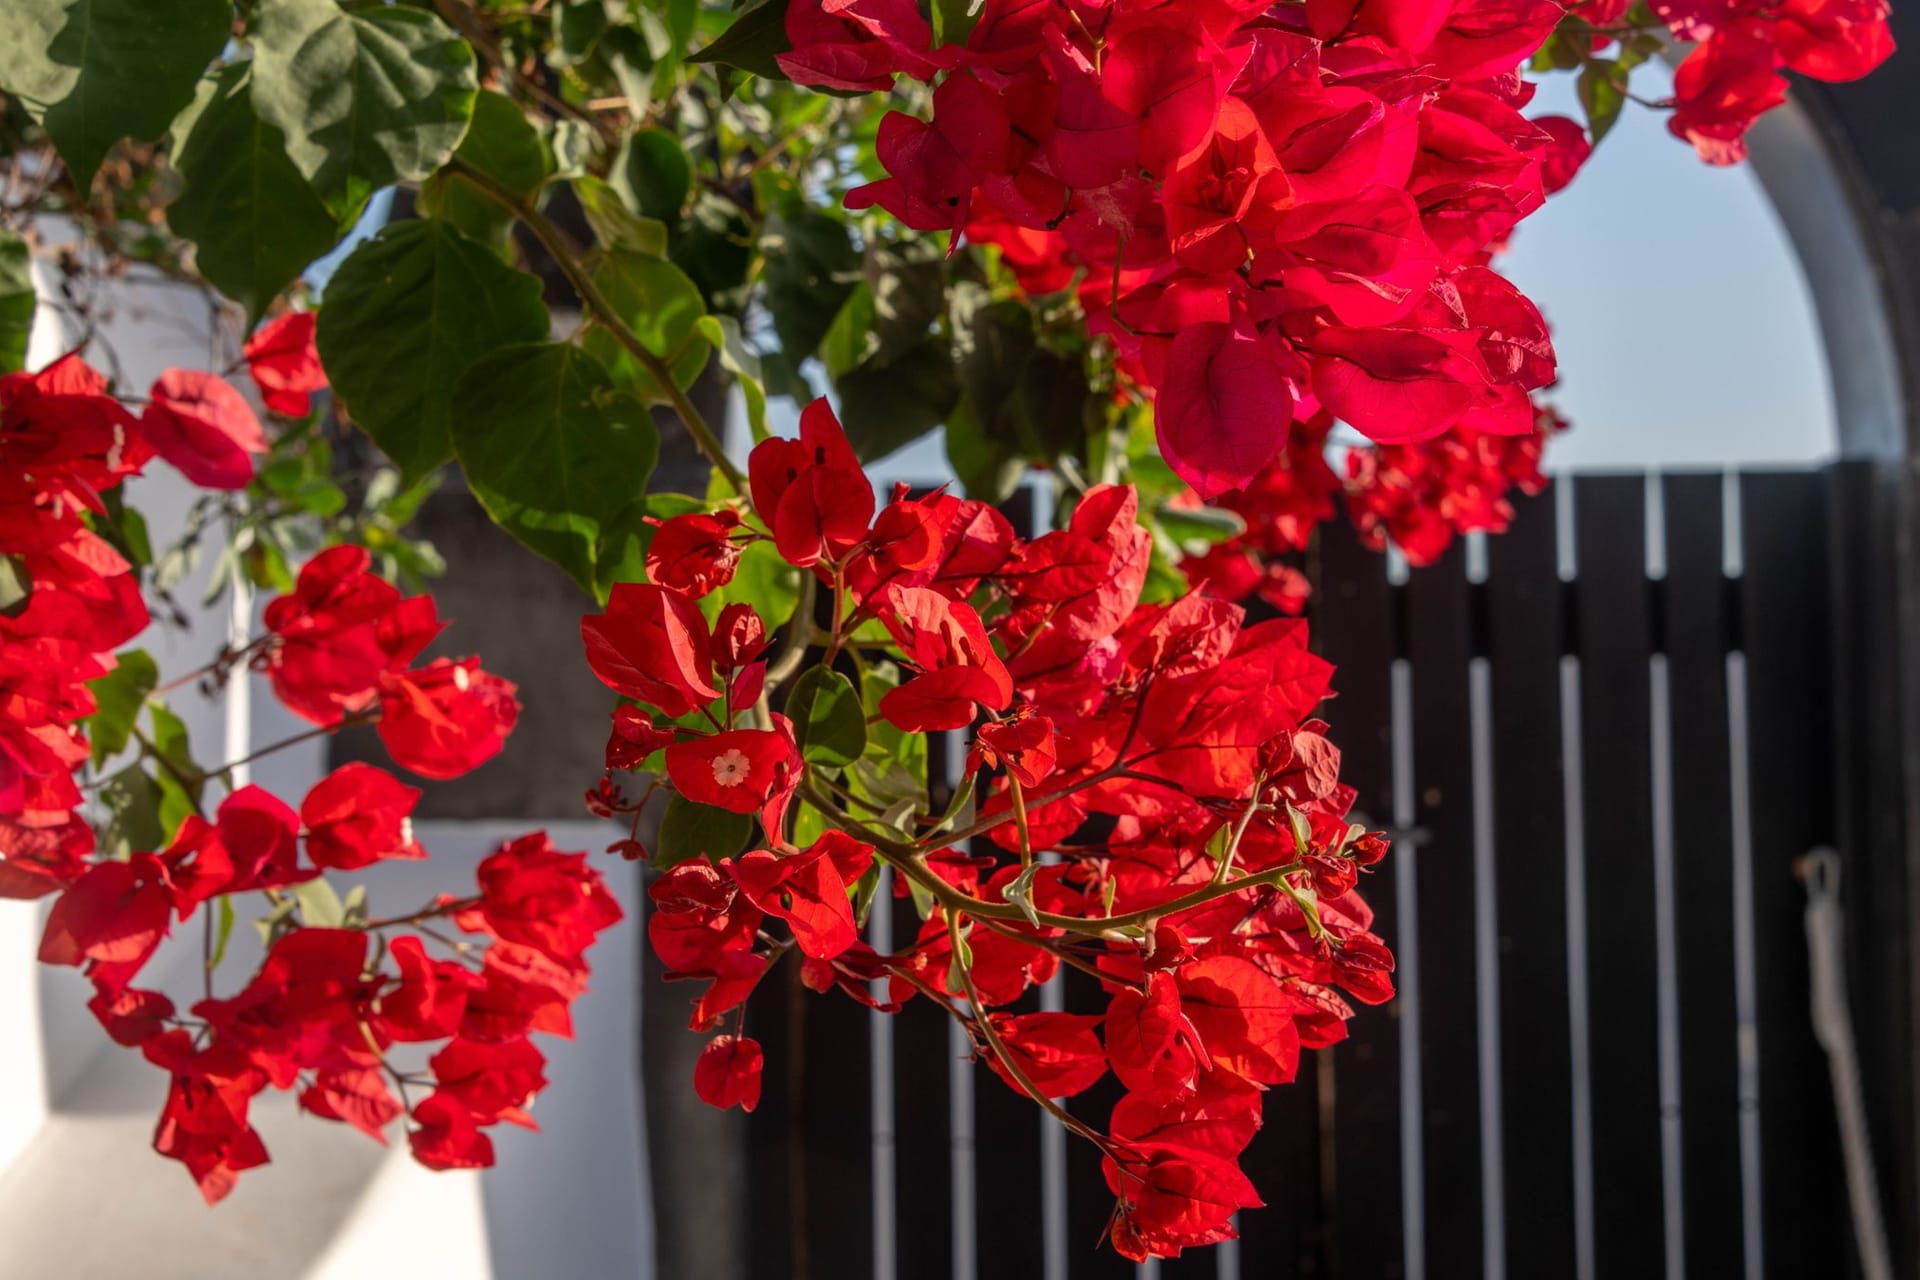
<point x="928" y="990"/>
<point x="319" y="731"/>
<point x="206" y="949"/>
<point x="799" y="628"/>
<point x="910" y="862"/>
<point x="596" y="302"/>
<point x="1019" y="799"/>
<point x="224" y="662"/>
<point x="431" y="911"/>
<point x="984" y="1021"/>
<point x="1058" y="952"/>
<point x="1239" y="831"/>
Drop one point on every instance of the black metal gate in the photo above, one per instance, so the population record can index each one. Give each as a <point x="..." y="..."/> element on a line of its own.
<point x="1604" y="750"/>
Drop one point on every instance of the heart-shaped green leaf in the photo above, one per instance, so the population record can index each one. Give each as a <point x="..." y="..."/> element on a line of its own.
<point x="95" y="71"/>
<point x="552" y="448"/>
<point x="405" y="316"/>
<point x="827" y="718"/>
<point x="366" y="96"/>
<point x="254" y="222"/>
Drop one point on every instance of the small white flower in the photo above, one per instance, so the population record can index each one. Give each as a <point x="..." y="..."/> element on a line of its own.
<point x="731" y="768"/>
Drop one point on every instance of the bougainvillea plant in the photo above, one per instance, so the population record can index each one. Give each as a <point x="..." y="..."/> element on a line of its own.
<point x="1165" y="754"/>
<point x="1215" y="270"/>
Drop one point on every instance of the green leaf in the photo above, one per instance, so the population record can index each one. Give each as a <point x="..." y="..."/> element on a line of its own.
<point x="1020" y="892"/>
<point x="752" y="42"/>
<point x="885" y="405"/>
<point x="663" y="309"/>
<point x="1640" y="47"/>
<point x="118" y="697"/>
<point x="632" y="56"/>
<point x="222" y="930"/>
<point x="254" y="222"/>
<point x="953" y="20"/>
<point x="992" y="342"/>
<point x="689" y="830"/>
<point x="16" y="305"/>
<point x="320" y="906"/>
<point x="574" y="145"/>
<point x="682" y="16"/>
<point x="740" y="360"/>
<point x="577" y="28"/>
<point x="961" y="806"/>
<point x="761" y="579"/>
<point x="552" y="448"/>
<point x="652" y="174"/>
<point x="179" y="779"/>
<point x="715" y="249"/>
<point x="961" y="965"/>
<point x="405" y="316"/>
<point x="132" y="802"/>
<point x="502" y="144"/>
<point x="16" y="587"/>
<point x="95" y="71"/>
<point x="1603" y="92"/>
<point x="1566" y="48"/>
<point x="892" y="773"/>
<point x="1165" y="582"/>
<point x="863" y="891"/>
<point x="909" y="292"/>
<point x="1049" y="409"/>
<point x="809" y="824"/>
<point x="1206" y="525"/>
<point x="827" y="718"/>
<point x="124" y="527"/>
<point x="988" y="468"/>
<point x="811" y="269"/>
<point x="1302" y="830"/>
<point x="277" y="921"/>
<point x="367" y="97"/>
<point x="618" y="228"/>
<point x="850" y="339"/>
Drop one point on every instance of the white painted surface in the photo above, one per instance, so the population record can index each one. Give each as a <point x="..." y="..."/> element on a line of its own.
<point x="412" y="1224"/>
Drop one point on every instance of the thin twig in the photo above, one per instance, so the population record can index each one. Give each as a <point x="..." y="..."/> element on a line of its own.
<point x="569" y="263"/>
<point x="984" y="1020"/>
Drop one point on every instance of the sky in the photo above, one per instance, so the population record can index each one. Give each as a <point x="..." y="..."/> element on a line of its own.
<point x="1685" y="332"/>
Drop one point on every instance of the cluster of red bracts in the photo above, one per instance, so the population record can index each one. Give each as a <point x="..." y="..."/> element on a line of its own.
<point x="339" y="647"/>
<point x="1733" y="75"/>
<point x="1418" y="497"/>
<point x="327" y="1003"/>
<point x="72" y="599"/>
<point x="321" y="1013"/>
<point x="1268" y="210"/>
<point x="63" y="442"/>
<point x="1206" y="867"/>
